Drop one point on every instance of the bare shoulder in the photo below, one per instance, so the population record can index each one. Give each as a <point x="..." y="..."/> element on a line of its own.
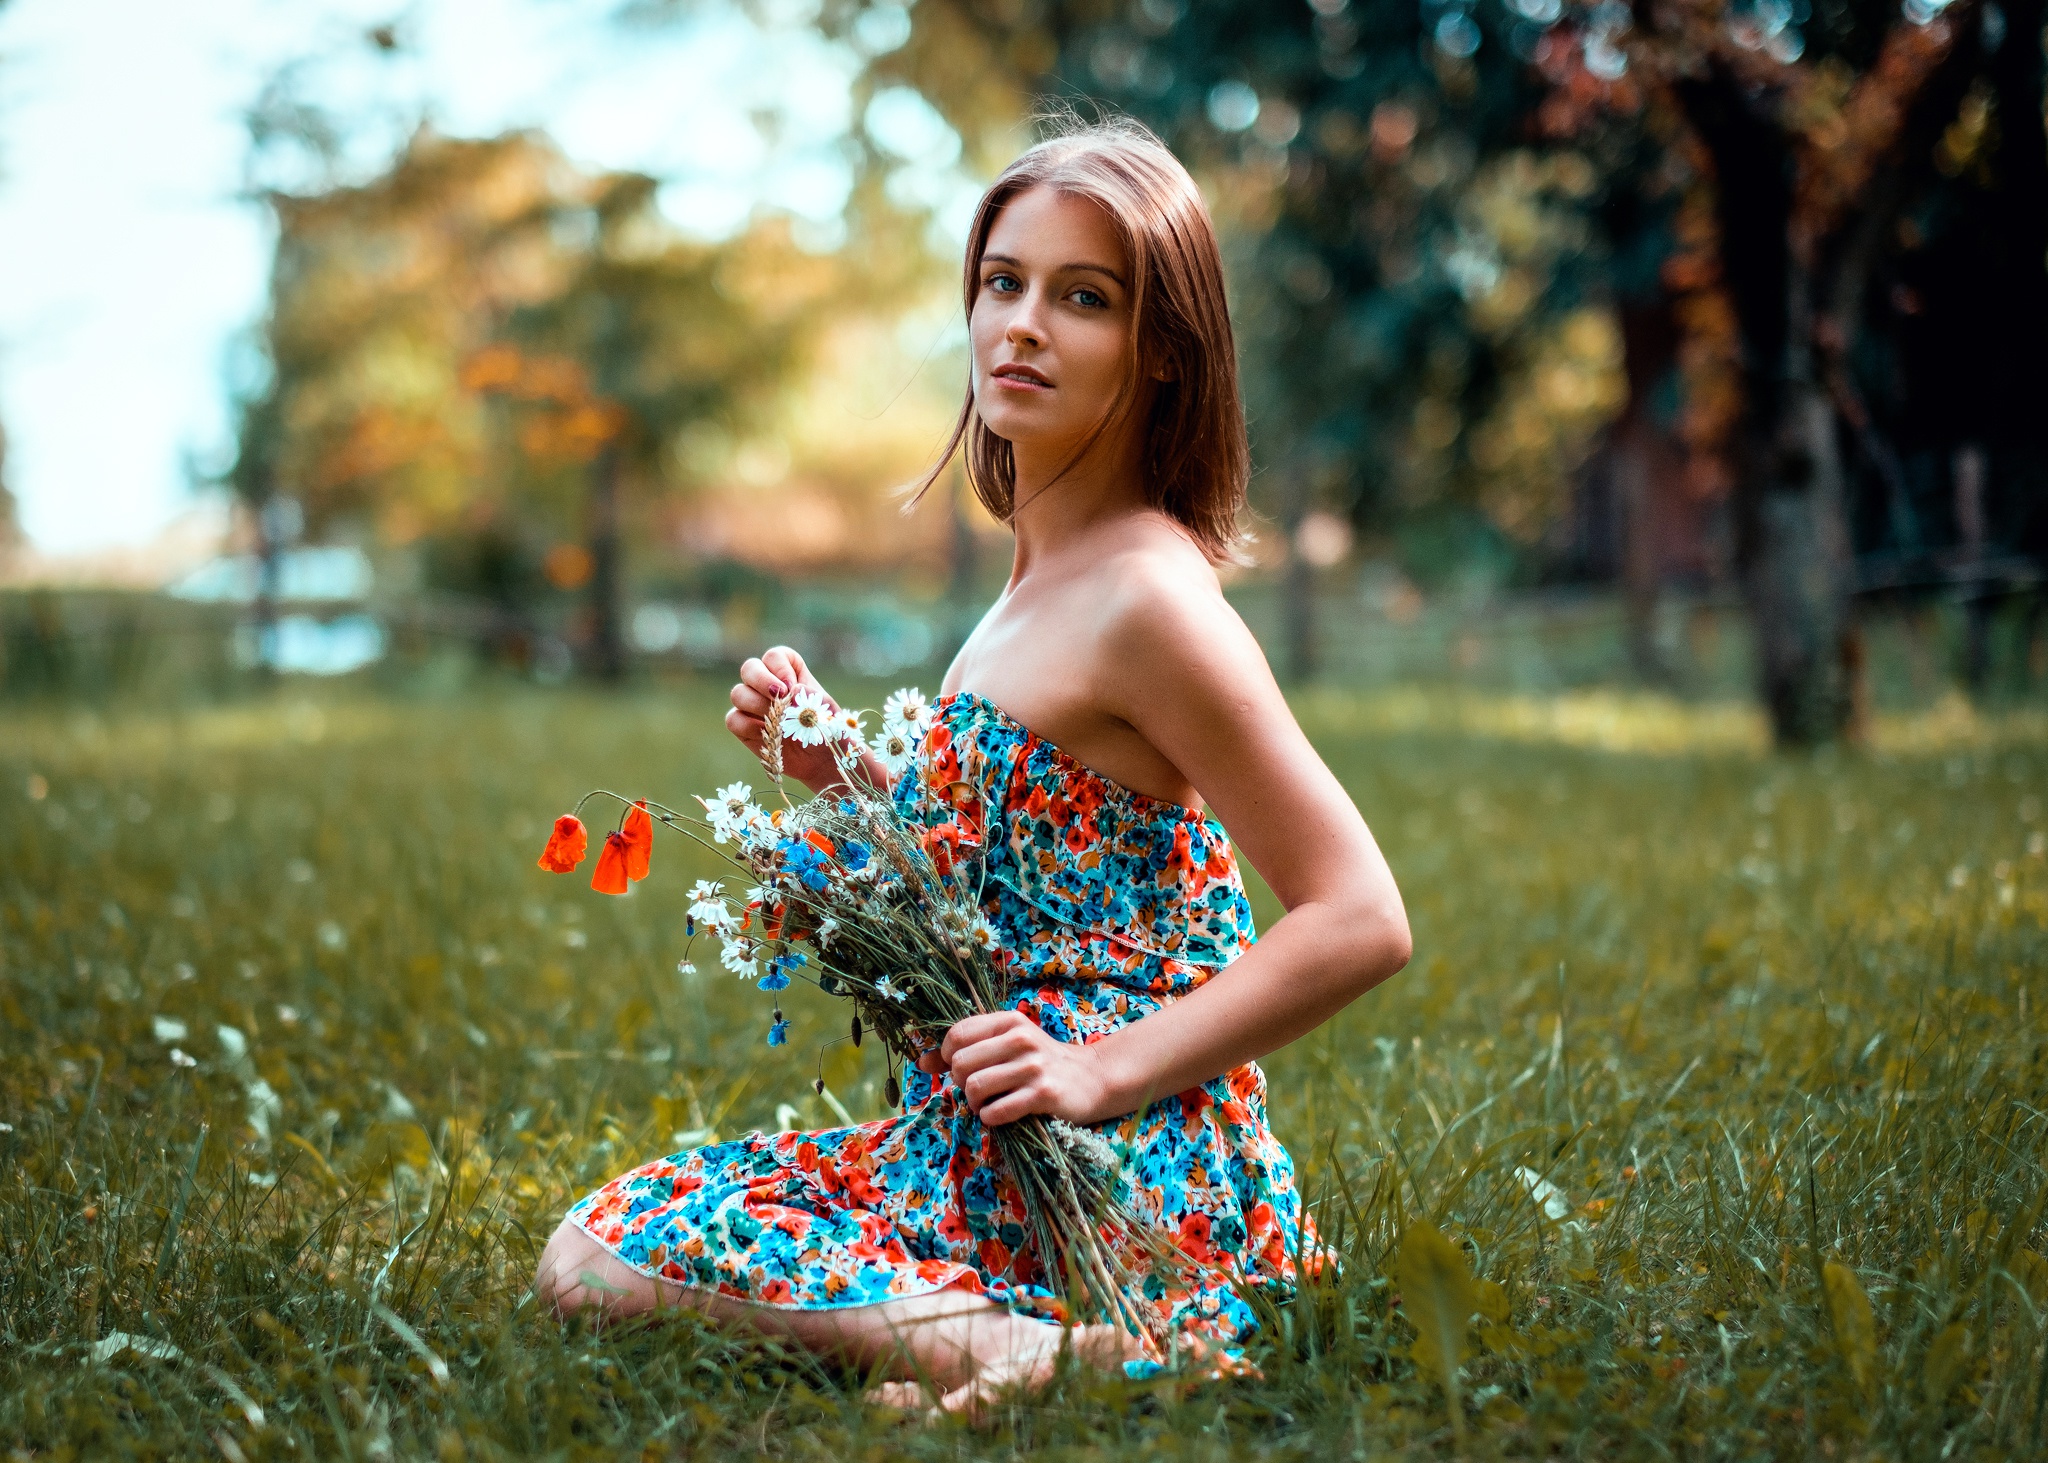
<point x="1164" y="619"/>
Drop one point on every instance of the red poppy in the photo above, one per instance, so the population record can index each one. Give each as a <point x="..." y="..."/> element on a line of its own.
<point x="566" y="845"/>
<point x="610" y="877"/>
<point x="626" y="853"/>
<point x="639" y="835"/>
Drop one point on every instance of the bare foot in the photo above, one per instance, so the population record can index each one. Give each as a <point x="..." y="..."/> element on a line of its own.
<point x="904" y="1396"/>
<point x="1028" y="1363"/>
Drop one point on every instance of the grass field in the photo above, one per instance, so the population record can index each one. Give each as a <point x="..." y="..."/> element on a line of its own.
<point x="303" y="1058"/>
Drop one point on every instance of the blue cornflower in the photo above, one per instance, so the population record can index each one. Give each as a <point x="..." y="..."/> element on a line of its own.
<point x="854" y="855"/>
<point x="777" y="978"/>
<point x="805" y="863"/>
<point x="778" y="1034"/>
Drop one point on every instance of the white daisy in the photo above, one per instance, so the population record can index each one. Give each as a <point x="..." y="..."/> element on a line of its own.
<point x="848" y="723"/>
<point x="722" y="823"/>
<point x="738" y="956"/>
<point x="982" y="933"/>
<point x="686" y="967"/>
<point x="760" y="896"/>
<point x="894" y="745"/>
<point x="707" y="905"/>
<point x="717" y="919"/>
<point x="808" y="718"/>
<point x="909" y="708"/>
<point x="887" y="991"/>
<point x="757" y="829"/>
<point x="706" y="889"/>
<point x="827" y="928"/>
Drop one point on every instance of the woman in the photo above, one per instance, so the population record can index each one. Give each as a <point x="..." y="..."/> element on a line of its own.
<point x="1107" y="695"/>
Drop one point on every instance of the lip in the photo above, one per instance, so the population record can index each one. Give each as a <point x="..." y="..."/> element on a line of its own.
<point x="1020" y="377"/>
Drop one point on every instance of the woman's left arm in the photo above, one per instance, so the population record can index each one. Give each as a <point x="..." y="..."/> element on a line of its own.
<point x="1192" y="681"/>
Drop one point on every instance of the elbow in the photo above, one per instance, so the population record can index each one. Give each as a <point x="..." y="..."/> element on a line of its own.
<point x="1396" y="947"/>
<point x="1385" y="943"/>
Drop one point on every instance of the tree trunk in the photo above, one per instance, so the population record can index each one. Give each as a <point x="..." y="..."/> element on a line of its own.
<point x="1791" y="535"/>
<point x="607" y="652"/>
<point x="279" y="522"/>
<point x="1632" y="461"/>
<point x="1793" y="558"/>
<point x="1968" y="471"/>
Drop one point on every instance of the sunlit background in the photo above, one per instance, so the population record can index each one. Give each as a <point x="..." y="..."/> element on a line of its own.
<point x="553" y="340"/>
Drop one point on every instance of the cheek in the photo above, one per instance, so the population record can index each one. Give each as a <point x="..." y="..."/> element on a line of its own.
<point x="984" y="332"/>
<point x="1094" y="349"/>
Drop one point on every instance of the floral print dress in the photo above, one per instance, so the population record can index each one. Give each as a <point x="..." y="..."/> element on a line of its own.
<point x="1107" y="904"/>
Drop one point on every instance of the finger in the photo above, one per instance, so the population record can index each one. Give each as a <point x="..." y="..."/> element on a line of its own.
<point x="747" y="699"/>
<point x="971" y="1029"/>
<point x="987" y="1086"/>
<point x="747" y="728"/>
<point x="785" y="662"/>
<point x="931" y="1062"/>
<point x="1008" y="1046"/>
<point x="756" y="673"/>
<point x="1021" y="1102"/>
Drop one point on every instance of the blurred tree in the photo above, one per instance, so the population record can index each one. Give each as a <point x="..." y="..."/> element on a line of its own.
<point x="647" y="337"/>
<point x="379" y="293"/>
<point x="1823" y="138"/>
<point x="486" y="344"/>
<point x="1468" y="236"/>
<point x="1422" y="334"/>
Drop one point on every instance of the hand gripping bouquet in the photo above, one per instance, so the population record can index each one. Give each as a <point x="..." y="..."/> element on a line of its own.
<point x="846" y="894"/>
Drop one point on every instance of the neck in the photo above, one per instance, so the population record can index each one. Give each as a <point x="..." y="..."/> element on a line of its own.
<point x="1052" y="510"/>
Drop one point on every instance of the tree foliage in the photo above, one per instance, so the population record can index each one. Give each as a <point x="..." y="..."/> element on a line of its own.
<point x="1470" y="236"/>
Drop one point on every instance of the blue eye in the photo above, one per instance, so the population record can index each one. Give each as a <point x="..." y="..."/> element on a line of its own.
<point x="1090" y="299"/>
<point x="1003" y="283"/>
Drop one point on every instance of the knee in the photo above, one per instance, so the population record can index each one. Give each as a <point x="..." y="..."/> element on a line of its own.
<point x="556" y="1281"/>
<point x="577" y="1275"/>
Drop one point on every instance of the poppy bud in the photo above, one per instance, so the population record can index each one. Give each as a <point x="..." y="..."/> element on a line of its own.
<point x="892" y="1093"/>
<point x="856" y="1029"/>
<point x="818" y="1085"/>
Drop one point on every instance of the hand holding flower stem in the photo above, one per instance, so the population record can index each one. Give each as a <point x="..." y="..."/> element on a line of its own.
<point x="777" y="681"/>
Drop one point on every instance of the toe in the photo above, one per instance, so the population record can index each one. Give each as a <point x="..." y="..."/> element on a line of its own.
<point x="908" y="1396"/>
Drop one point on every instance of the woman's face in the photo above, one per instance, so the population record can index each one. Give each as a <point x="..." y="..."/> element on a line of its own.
<point x="1051" y="320"/>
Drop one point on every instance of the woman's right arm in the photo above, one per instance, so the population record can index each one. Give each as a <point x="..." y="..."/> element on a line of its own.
<point x="778" y="672"/>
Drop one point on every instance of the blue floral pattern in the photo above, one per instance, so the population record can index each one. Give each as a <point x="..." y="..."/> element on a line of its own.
<point x="1107" y="905"/>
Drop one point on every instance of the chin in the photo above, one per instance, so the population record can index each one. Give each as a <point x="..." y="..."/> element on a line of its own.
<point x="1016" y="422"/>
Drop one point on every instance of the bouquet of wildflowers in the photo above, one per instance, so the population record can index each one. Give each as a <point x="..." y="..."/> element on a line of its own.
<point x="846" y="893"/>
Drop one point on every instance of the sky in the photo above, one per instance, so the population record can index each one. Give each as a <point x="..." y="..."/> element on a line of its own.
<point x="133" y="268"/>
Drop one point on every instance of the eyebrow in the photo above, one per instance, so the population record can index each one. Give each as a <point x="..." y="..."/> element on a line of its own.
<point x="1102" y="269"/>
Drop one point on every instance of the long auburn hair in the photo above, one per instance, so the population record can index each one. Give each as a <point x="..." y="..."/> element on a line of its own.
<point x="1196" y="458"/>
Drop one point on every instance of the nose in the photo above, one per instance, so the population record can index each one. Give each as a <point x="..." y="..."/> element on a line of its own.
<point x="1025" y="327"/>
